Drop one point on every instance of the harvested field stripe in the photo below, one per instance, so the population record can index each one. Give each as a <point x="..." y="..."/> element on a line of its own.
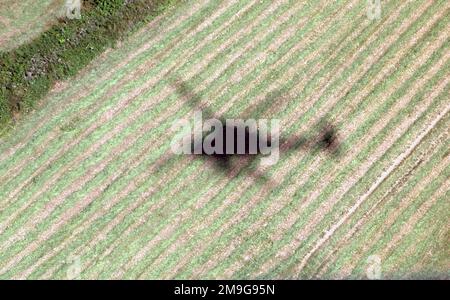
<point x="285" y="227"/>
<point x="418" y="215"/>
<point x="360" y="174"/>
<point x="430" y="197"/>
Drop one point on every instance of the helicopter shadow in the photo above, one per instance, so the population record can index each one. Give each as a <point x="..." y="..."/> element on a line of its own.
<point x="327" y="139"/>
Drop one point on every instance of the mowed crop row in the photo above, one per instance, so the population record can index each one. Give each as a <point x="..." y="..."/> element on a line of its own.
<point x="20" y="21"/>
<point x="90" y="175"/>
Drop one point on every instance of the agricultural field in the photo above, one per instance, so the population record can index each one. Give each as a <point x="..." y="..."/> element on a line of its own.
<point x="20" y="21"/>
<point x="90" y="189"/>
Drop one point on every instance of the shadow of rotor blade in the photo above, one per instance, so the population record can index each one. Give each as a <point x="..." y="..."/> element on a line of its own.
<point x="193" y="99"/>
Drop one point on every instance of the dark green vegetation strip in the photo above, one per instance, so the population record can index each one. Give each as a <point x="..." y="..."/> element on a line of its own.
<point x="28" y="72"/>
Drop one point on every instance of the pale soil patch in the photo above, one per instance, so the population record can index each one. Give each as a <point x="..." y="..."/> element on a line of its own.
<point x="4" y="21"/>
